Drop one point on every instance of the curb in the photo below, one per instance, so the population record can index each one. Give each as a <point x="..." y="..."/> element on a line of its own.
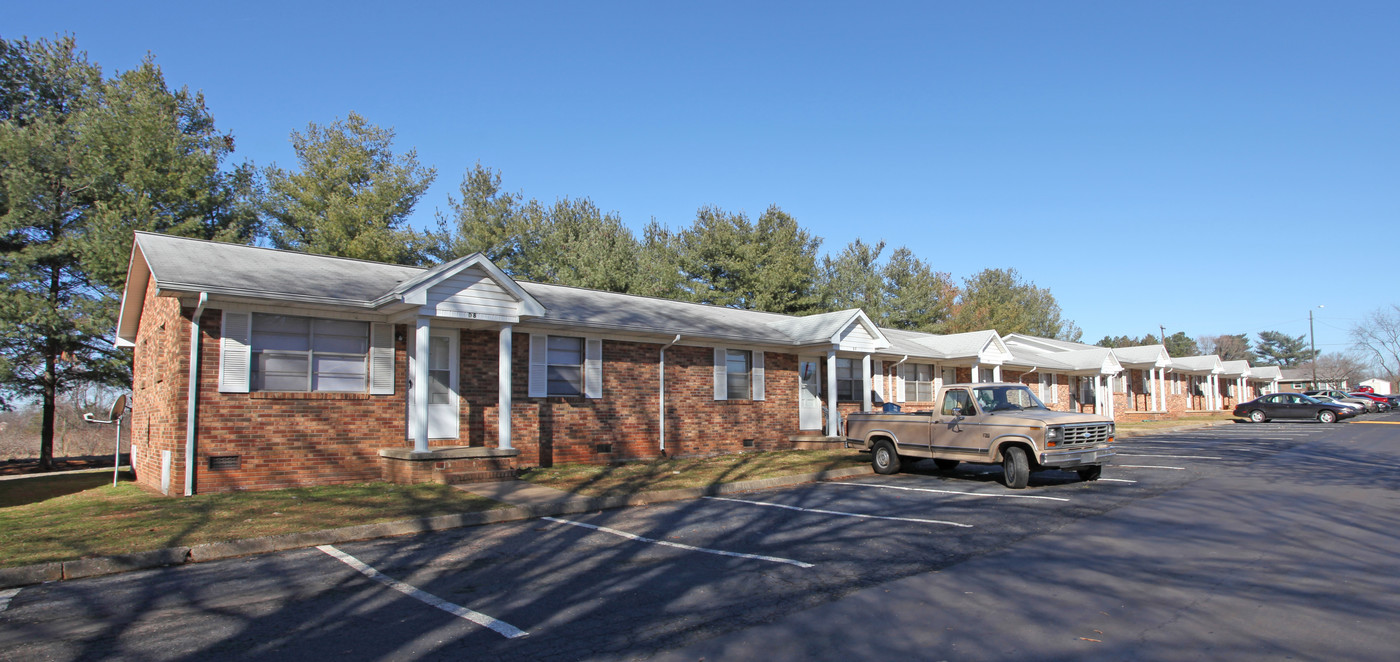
<point x="109" y="565"/>
<point x="1176" y="428"/>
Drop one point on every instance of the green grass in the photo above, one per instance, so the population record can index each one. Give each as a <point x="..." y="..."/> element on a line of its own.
<point x="670" y="474"/>
<point x="1126" y="422"/>
<point x="65" y="517"/>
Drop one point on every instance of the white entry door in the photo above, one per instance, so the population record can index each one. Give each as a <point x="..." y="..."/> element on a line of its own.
<point x="809" y="395"/>
<point x="443" y="416"/>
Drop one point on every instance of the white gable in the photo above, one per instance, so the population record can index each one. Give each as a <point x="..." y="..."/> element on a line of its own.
<point x="471" y="294"/>
<point x="857" y="338"/>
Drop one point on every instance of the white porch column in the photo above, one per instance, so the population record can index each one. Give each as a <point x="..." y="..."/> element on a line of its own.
<point x="503" y="395"/>
<point x="1098" y="395"/>
<point x="1161" y="375"/>
<point x="996" y="373"/>
<point x="974" y="373"/>
<point x="1215" y="392"/>
<point x="1109" y="393"/>
<point x="421" y="341"/>
<point x="865" y="382"/>
<point x="831" y="413"/>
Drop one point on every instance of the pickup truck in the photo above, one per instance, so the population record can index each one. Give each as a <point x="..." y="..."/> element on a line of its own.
<point x="986" y="423"/>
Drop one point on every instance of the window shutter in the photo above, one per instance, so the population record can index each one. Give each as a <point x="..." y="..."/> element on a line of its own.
<point x="381" y="359"/>
<point x="235" y="352"/>
<point x="877" y="374"/>
<point x="539" y="368"/>
<point x="593" y="368"/>
<point x="757" y="375"/>
<point x="721" y="388"/>
<point x="899" y="393"/>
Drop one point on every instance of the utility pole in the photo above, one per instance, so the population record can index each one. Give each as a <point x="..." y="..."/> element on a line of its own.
<point x="1163" y="337"/>
<point x="1312" y="342"/>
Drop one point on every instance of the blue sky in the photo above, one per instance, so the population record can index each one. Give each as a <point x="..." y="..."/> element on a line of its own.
<point x="1211" y="167"/>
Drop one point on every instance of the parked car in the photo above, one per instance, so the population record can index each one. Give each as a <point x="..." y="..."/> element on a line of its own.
<point x="1365" y="389"/>
<point x="1360" y="408"/>
<point x="1380" y="400"/>
<point x="1343" y="396"/>
<point x="1292" y="405"/>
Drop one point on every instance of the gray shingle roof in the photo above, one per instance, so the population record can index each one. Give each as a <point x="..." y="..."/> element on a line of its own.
<point x="193" y="265"/>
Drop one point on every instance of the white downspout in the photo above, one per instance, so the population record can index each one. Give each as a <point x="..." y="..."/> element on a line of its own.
<point x="662" y="419"/>
<point x="192" y="405"/>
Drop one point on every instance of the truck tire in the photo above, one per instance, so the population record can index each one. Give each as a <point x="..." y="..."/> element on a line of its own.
<point x="1327" y="416"/>
<point x="883" y="458"/>
<point x="1016" y="471"/>
<point x="1090" y="473"/>
<point x="946" y="465"/>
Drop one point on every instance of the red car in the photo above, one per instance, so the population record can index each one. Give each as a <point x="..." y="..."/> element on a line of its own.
<point x="1383" y="402"/>
<point x="1365" y="389"/>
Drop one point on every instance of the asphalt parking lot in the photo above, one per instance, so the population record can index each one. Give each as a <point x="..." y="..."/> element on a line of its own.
<point x="1240" y="541"/>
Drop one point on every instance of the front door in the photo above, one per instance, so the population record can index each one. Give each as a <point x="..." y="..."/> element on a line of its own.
<point x="809" y="394"/>
<point x="443" y="413"/>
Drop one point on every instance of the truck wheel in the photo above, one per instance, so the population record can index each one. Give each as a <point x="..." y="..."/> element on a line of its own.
<point x="1016" y="471"/>
<point x="1090" y="473"/>
<point x="883" y="458"/>
<point x="1257" y="416"/>
<point x="1327" y="416"/>
<point x="946" y="465"/>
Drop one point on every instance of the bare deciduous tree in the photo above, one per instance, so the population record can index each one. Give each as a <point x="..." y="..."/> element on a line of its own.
<point x="1378" y="338"/>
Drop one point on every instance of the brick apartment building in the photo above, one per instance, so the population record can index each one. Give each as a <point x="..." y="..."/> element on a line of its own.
<point x="309" y="369"/>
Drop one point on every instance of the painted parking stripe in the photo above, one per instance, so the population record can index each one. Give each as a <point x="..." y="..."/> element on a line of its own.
<point x="633" y="536"/>
<point x="1147" y="466"/>
<point x="1115" y="480"/>
<point x="503" y="628"/>
<point x="837" y="512"/>
<point x="929" y="489"/>
<point x="1184" y="457"/>
<point x="6" y="596"/>
<point x="1377" y="422"/>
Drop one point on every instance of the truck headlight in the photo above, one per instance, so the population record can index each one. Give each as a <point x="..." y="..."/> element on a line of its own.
<point x="1054" y="435"/>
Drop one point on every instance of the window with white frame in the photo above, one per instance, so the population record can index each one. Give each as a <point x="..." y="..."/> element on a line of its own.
<point x="848" y="379"/>
<point x="738" y="367"/>
<point x="292" y="353"/>
<point x="1049" y="388"/>
<point x="950" y="376"/>
<point x="564" y="365"/>
<point x="918" y="382"/>
<point x="1120" y="383"/>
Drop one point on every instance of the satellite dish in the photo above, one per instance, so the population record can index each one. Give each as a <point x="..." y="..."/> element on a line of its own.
<point x="118" y="408"/>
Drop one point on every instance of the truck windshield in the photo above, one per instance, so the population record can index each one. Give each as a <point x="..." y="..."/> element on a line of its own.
<point x="1006" y="398"/>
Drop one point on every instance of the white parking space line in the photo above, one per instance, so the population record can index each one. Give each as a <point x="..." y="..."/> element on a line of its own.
<point x="6" y="596"/>
<point x="837" y="512"/>
<point x="1184" y="457"/>
<point x="1115" y="480"/>
<point x="929" y="489"/>
<point x="504" y="629"/>
<point x="633" y="536"/>
<point x="1147" y="466"/>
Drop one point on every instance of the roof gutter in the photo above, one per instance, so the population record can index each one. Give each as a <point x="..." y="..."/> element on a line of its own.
<point x="662" y="411"/>
<point x="192" y="406"/>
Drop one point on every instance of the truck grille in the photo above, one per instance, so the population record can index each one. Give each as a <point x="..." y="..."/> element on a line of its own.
<point x="1087" y="433"/>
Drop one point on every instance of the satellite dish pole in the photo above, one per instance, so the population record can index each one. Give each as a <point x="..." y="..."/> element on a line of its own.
<point x="114" y="415"/>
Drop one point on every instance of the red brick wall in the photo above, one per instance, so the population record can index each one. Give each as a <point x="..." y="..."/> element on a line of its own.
<point x="293" y="439"/>
<point x="557" y="430"/>
<point x="160" y="372"/>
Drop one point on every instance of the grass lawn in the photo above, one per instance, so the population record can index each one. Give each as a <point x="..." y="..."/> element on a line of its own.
<point x="1126" y="421"/>
<point x="64" y="517"/>
<point x="670" y="474"/>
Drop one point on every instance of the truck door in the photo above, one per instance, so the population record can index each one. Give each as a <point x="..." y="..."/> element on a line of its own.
<point x="951" y="433"/>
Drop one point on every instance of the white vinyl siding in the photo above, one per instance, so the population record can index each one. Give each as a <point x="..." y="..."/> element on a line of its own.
<point x="303" y="354"/>
<point x="472" y="293"/>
